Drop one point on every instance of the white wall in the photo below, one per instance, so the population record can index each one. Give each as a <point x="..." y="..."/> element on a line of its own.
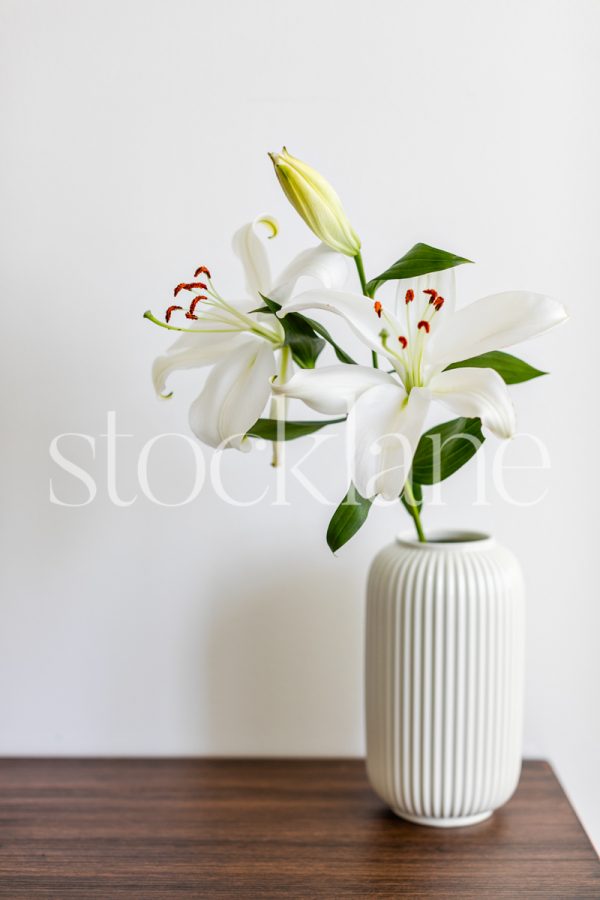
<point x="134" y="142"/>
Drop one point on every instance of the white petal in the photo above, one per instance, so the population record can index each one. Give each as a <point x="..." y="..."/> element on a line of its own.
<point x="357" y="310"/>
<point x="333" y="389"/>
<point x="250" y="249"/>
<point x="234" y="395"/>
<point x="385" y="427"/>
<point x="493" y="323"/>
<point x="321" y="264"/>
<point x="192" y="351"/>
<point x="477" y="392"/>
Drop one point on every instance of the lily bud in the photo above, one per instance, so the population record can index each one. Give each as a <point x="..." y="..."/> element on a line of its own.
<point x="316" y="201"/>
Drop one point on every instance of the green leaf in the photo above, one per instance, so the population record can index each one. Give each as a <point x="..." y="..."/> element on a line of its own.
<point x="299" y="336"/>
<point x="301" y="340"/>
<point x="275" y="430"/>
<point x="300" y="329"/>
<point x="270" y="306"/>
<point x="510" y="368"/>
<point x="320" y="329"/>
<point x="420" y="260"/>
<point x="348" y="518"/>
<point x="445" y="448"/>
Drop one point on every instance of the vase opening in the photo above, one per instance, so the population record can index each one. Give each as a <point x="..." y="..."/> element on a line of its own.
<point x="447" y="540"/>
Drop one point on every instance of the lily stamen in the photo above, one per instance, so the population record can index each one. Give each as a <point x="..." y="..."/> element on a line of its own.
<point x="218" y="315"/>
<point x="170" y="311"/>
<point x="410" y="296"/>
<point x="425" y="325"/>
<point x="392" y="352"/>
<point x="195" y="302"/>
<point x="378" y="308"/>
<point x="384" y="335"/>
<point x="189" y="286"/>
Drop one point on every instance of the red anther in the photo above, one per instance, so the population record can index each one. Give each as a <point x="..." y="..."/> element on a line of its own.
<point x="201" y="270"/>
<point x="403" y="341"/>
<point x="432" y="294"/>
<point x="190" y="315"/>
<point x="195" y="302"/>
<point x="410" y="295"/>
<point x="171" y="310"/>
<point x="377" y="307"/>
<point x="425" y="325"/>
<point x="189" y="286"/>
<point x="439" y="303"/>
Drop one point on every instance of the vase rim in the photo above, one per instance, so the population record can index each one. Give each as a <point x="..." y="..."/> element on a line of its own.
<point x="448" y="539"/>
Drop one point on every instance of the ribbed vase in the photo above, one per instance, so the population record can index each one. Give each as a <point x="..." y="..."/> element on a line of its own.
<point x="444" y="677"/>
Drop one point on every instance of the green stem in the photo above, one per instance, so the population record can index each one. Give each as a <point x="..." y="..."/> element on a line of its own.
<point x="361" y="272"/>
<point x="363" y="284"/>
<point x="279" y="404"/>
<point x="412" y="508"/>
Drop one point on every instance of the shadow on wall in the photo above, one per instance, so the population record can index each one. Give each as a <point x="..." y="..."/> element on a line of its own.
<point x="280" y="666"/>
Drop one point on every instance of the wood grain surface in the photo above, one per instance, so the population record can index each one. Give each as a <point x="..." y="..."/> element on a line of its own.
<point x="270" y="828"/>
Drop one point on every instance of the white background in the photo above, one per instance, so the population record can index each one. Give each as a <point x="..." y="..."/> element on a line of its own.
<point x="134" y="142"/>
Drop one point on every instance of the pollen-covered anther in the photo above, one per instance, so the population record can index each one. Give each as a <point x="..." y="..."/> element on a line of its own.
<point x="432" y="294"/>
<point x="195" y="303"/>
<point x="403" y="341"/>
<point x="201" y="270"/>
<point x="170" y="311"/>
<point x="439" y="303"/>
<point x="410" y="295"/>
<point x="425" y="325"/>
<point x="189" y="286"/>
<point x="190" y="315"/>
<point x="377" y="307"/>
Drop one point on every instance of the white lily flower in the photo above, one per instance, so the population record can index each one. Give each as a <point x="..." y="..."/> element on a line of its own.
<point x="242" y="345"/>
<point x="420" y="338"/>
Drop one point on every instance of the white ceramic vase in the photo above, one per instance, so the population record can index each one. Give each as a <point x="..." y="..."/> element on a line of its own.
<point x="444" y="677"/>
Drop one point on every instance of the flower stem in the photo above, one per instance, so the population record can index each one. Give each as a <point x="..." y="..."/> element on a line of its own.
<point x="279" y="404"/>
<point x="363" y="284"/>
<point x="410" y="504"/>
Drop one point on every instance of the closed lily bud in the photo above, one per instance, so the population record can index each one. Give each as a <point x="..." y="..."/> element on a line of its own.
<point x="316" y="201"/>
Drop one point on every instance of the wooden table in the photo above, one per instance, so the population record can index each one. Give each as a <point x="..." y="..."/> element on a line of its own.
<point x="270" y="828"/>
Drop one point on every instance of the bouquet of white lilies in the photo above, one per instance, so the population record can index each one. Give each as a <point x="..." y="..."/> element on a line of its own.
<point x="422" y="350"/>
